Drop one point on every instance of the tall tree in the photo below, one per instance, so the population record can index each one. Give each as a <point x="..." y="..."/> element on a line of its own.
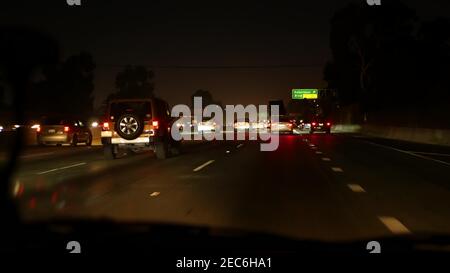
<point x="363" y="40"/>
<point x="66" y="89"/>
<point x="134" y="82"/>
<point x="206" y="96"/>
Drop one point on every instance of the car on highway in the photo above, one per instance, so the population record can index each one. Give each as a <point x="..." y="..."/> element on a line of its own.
<point x="57" y="130"/>
<point x="206" y="126"/>
<point x="283" y="126"/>
<point x="321" y="125"/>
<point x="138" y="124"/>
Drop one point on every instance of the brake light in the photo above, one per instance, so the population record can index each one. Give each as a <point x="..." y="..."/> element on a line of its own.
<point x="66" y="128"/>
<point x="38" y="129"/>
<point x="313" y="124"/>
<point x="155" y="124"/>
<point x="328" y="123"/>
<point x="105" y="125"/>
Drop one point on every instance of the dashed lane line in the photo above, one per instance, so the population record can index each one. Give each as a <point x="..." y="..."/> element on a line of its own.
<point x="203" y="165"/>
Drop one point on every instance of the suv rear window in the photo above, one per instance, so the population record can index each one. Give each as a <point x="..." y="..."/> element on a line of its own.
<point x="143" y="109"/>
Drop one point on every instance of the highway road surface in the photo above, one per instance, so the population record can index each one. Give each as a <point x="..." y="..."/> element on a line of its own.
<point x="320" y="187"/>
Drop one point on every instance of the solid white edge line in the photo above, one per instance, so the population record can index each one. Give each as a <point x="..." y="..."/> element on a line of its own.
<point x="74" y="165"/>
<point x="63" y="168"/>
<point x="49" y="171"/>
<point x="203" y="165"/>
<point x="426" y="153"/>
<point x="394" y="225"/>
<point x="409" y="153"/>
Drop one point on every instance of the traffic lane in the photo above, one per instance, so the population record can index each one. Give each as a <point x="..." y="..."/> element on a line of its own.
<point x="30" y="154"/>
<point x="282" y="192"/>
<point x="64" y="158"/>
<point x="413" y="190"/>
<point x="89" y="188"/>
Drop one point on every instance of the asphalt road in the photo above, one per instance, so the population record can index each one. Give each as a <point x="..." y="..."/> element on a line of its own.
<point x="320" y="187"/>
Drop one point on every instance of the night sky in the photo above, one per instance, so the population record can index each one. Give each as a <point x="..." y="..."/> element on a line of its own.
<point x="212" y="33"/>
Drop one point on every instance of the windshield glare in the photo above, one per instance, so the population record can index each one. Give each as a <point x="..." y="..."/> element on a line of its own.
<point x="360" y="152"/>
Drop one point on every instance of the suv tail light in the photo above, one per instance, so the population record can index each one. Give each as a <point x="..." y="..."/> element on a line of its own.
<point x="66" y="129"/>
<point x="155" y="124"/>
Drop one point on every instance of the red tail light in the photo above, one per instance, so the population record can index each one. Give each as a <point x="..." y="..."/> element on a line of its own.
<point x="328" y="123"/>
<point x="38" y="129"/>
<point x="290" y="124"/>
<point x="105" y="125"/>
<point x="66" y="128"/>
<point x="313" y="124"/>
<point x="155" y="124"/>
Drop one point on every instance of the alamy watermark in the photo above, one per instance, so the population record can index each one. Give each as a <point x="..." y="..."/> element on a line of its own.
<point x="73" y="2"/>
<point x="223" y="122"/>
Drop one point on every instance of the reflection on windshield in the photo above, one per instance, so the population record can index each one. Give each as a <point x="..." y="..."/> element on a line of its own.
<point x="355" y="95"/>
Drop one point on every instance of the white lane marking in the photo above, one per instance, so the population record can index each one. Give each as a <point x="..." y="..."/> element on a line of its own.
<point x="36" y="155"/>
<point x="426" y="153"/>
<point x="74" y="165"/>
<point x="408" y="153"/>
<point x="154" y="194"/>
<point x="326" y="159"/>
<point x="63" y="168"/>
<point x="337" y="169"/>
<point x="49" y="171"/>
<point x="356" y="188"/>
<point x="318" y="152"/>
<point x="240" y="145"/>
<point x="394" y="225"/>
<point x="203" y="165"/>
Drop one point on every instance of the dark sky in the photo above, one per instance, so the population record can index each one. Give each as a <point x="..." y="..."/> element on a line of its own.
<point x="207" y="33"/>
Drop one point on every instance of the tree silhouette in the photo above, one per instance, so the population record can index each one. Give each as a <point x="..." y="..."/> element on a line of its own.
<point x="206" y="96"/>
<point x="134" y="82"/>
<point x="390" y="64"/>
<point x="66" y="89"/>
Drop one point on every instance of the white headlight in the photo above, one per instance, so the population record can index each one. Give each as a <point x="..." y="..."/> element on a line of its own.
<point x="94" y="124"/>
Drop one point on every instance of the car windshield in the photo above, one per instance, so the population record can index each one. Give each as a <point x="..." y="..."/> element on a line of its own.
<point x="361" y="89"/>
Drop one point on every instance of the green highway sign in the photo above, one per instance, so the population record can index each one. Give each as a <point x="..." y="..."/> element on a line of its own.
<point x="300" y="94"/>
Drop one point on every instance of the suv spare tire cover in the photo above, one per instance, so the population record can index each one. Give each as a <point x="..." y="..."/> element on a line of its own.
<point x="129" y="126"/>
